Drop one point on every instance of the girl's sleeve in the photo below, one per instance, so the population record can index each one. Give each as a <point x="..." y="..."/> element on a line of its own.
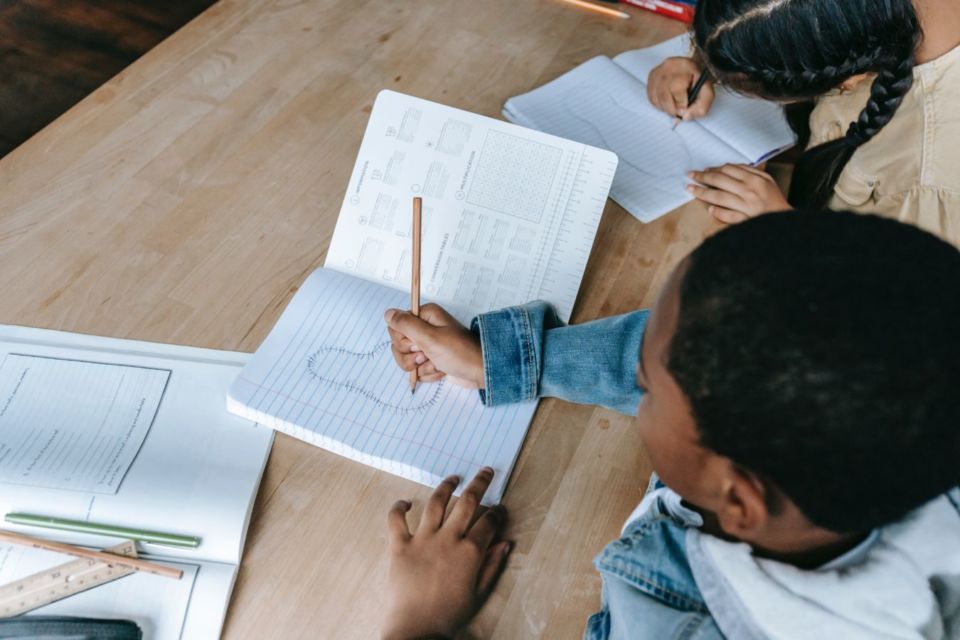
<point x="529" y="353"/>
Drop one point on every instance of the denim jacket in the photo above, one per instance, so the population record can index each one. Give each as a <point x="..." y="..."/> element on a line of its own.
<point x="648" y="587"/>
<point x="649" y="584"/>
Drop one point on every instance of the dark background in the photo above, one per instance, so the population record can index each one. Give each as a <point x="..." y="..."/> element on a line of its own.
<point x="55" y="52"/>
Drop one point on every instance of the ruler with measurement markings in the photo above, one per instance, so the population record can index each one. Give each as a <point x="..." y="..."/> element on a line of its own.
<point x="57" y="583"/>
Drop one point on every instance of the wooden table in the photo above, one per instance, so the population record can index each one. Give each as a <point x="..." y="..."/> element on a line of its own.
<point x="187" y="199"/>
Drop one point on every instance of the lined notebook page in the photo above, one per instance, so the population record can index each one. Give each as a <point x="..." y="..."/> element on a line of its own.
<point x="326" y="375"/>
<point x="755" y="128"/>
<point x="602" y="105"/>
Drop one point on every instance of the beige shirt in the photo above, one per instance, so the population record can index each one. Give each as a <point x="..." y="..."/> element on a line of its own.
<point x="911" y="169"/>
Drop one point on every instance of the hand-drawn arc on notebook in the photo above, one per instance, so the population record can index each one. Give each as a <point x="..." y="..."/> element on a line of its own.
<point x="585" y="101"/>
<point x="371" y="361"/>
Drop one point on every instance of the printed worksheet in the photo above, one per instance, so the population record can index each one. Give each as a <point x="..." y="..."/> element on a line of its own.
<point x="509" y="214"/>
<point x="73" y="424"/>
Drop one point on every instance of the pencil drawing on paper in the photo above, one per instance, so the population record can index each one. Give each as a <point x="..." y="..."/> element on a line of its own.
<point x="361" y="373"/>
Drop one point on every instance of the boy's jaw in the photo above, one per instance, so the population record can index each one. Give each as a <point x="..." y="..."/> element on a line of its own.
<point x="734" y="501"/>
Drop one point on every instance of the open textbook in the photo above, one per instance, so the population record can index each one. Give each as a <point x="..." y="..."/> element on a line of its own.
<point x="509" y="215"/>
<point x="604" y="103"/>
<point x="131" y="434"/>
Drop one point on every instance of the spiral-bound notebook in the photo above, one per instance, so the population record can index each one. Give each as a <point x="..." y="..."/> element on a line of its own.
<point x="509" y="216"/>
<point x="603" y="103"/>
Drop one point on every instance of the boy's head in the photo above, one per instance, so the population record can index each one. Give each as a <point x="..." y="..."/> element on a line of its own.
<point x="803" y="375"/>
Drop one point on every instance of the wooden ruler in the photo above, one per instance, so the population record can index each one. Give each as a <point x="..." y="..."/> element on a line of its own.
<point x="50" y="585"/>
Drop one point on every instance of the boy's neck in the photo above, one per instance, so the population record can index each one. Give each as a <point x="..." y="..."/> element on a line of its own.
<point x="815" y="556"/>
<point x="940" y="21"/>
<point x="810" y="550"/>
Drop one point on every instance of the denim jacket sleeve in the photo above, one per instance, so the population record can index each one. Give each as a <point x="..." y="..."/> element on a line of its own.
<point x="529" y="353"/>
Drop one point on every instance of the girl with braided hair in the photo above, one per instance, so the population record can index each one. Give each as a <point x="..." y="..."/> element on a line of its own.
<point x="872" y="85"/>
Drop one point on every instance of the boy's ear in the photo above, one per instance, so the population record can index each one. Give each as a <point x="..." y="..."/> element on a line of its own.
<point x="743" y="511"/>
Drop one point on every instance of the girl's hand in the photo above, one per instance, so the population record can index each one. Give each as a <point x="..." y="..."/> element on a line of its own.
<point x="669" y="83"/>
<point x="437" y="345"/>
<point x="441" y="575"/>
<point x="736" y="192"/>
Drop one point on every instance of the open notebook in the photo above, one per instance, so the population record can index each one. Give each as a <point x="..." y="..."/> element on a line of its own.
<point x="604" y="103"/>
<point x="131" y="434"/>
<point x="509" y="215"/>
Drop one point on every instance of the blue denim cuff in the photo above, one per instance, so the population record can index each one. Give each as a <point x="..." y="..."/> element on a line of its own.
<point x="511" y="365"/>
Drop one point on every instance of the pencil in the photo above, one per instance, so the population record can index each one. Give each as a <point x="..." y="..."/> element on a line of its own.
<point x="415" y="276"/>
<point x="82" y="526"/>
<point x="99" y="556"/>
<point x="693" y="93"/>
<point x="595" y="7"/>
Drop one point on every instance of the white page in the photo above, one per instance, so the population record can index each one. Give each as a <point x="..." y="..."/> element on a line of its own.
<point x="640" y="62"/>
<point x="164" y="609"/>
<point x="198" y="469"/>
<point x="72" y="424"/>
<point x="600" y="104"/>
<point x="756" y="128"/>
<point x="510" y="214"/>
<point x="325" y="374"/>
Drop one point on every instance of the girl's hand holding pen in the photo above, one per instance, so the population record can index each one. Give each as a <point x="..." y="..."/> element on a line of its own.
<point x="735" y="192"/>
<point x="669" y="85"/>
<point x="437" y="345"/>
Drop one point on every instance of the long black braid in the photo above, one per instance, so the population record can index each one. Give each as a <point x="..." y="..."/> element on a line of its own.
<point x="796" y="50"/>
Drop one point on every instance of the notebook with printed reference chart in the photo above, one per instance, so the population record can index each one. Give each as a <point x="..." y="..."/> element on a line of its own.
<point x="509" y="216"/>
<point x="604" y="103"/>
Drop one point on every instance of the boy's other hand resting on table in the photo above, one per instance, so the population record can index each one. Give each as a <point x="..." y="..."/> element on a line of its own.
<point x="441" y="575"/>
<point x="735" y="192"/>
<point x="671" y="81"/>
<point x="437" y="344"/>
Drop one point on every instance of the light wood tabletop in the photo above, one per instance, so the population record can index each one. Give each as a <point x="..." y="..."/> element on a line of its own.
<point x="188" y="198"/>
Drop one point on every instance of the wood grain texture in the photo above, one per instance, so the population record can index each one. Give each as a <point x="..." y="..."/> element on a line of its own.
<point x="188" y="198"/>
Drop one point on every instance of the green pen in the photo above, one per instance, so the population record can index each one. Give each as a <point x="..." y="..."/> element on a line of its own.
<point x="81" y="526"/>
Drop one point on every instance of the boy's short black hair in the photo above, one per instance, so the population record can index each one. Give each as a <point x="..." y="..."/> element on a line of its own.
<point x="821" y="351"/>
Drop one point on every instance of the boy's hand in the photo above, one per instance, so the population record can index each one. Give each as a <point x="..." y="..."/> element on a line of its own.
<point x="437" y="345"/>
<point x="441" y="575"/>
<point x="671" y="81"/>
<point x="736" y="192"/>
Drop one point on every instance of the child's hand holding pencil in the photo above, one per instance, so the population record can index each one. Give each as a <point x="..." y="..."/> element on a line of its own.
<point x="680" y="88"/>
<point x="435" y="345"/>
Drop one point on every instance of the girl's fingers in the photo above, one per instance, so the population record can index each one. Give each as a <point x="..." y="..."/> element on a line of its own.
<point x="436" y="505"/>
<point x="736" y="171"/>
<point x="667" y="104"/>
<point x="397" y="521"/>
<point x="755" y="171"/>
<point x="723" y="199"/>
<point x="678" y="95"/>
<point x="701" y="106"/>
<point x="493" y="564"/>
<point x="652" y="96"/>
<point x="718" y="180"/>
<point x="727" y="215"/>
